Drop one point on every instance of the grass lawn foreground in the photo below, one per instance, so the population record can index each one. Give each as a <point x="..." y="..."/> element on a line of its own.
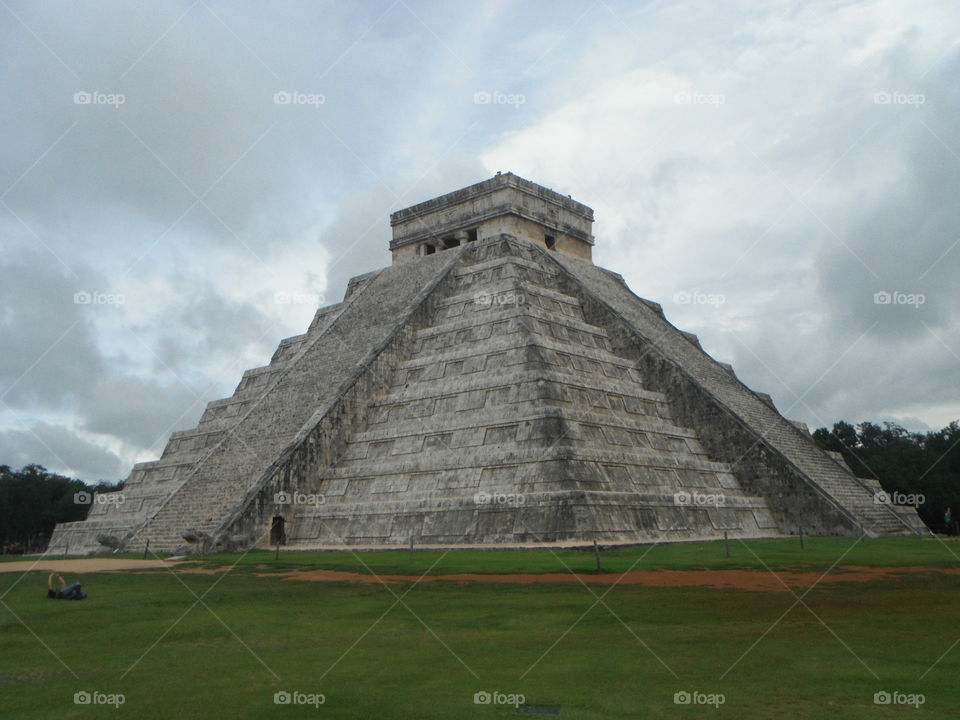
<point x="222" y="636"/>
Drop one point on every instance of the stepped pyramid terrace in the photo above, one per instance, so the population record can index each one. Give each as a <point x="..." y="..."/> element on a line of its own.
<point x="493" y="387"/>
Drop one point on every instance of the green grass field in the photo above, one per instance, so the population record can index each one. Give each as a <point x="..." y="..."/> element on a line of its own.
<point x="424" y="650"/>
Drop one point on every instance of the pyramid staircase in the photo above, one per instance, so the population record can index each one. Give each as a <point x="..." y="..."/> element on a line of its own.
<point x="511" y="421"/>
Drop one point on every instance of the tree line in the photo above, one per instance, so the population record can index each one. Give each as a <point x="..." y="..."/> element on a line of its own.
<point x="925" y="465"/>
<point x="33" y="501"/>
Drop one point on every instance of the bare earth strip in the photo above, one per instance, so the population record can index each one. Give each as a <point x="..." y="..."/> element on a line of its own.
<point x="83" y="565"/>
<point x="762" y="580"/>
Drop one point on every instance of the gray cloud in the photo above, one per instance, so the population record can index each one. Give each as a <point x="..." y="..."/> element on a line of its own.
<point x="58" y="448"/>
<point x="901" y="242"/>
<point x="141" y="413"/>
<point x="49" y="347"/>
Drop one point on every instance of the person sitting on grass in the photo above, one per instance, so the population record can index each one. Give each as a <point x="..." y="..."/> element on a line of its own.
<point x="66" y="592"/>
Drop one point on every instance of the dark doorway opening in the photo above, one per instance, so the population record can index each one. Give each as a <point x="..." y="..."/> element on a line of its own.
<point x="278" y="534"/>
<point x="550" y="241"/>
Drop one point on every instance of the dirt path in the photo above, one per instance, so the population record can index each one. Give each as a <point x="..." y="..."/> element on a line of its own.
<point x="761" y="580"/>
<point x="83" y="565"/>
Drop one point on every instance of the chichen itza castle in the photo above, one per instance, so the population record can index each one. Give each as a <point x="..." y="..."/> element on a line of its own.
<point x="492" y="387"/>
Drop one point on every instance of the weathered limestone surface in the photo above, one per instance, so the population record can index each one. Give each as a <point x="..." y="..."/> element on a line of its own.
<point x="496" y="392"/>
<point x="770" y="456"/>
<point x="509" y="421"/>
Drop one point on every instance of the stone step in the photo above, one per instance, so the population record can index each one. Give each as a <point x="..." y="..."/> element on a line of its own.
<point x="547" y="384"/>
<point x="480" y="265"/>
<point x="510" y="454"/>
<point x="479" y="370"/>
<point x="508" y="349"/>
<point x="480" y="419"/>
<point x="491" y="294"/>
<point x="483" y="320"/>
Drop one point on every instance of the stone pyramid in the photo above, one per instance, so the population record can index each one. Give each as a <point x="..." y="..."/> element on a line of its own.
<point x="491" y="387"/>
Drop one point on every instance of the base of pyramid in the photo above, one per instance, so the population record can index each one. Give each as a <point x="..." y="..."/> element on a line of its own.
<point x="586" y="545"/>
<point x="83" y="537"/>
<point x="564" y="518"/>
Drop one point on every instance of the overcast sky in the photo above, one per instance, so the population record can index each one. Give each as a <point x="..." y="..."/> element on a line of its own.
<point x="762" y="169"/>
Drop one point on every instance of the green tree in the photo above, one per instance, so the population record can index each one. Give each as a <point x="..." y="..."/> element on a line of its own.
<point x="926" y="464"/>
<point x="33" y="501"/>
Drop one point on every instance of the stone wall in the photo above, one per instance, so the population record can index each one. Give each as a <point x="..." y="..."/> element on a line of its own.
<point x="736" y="425"/>
<point x="297" y="470"/>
